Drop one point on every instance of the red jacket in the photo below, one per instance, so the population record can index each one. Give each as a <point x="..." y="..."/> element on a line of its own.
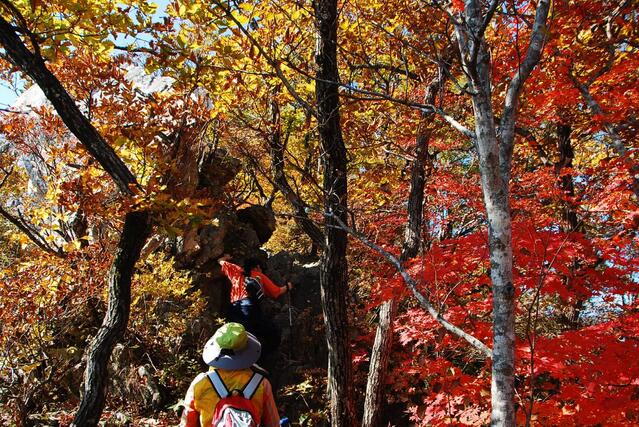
<point x="235" y="273"/>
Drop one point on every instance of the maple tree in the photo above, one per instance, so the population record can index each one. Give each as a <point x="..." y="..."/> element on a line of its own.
<point x="442" y="148"/>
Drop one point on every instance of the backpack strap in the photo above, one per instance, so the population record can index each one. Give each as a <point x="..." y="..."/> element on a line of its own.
<point x="218" y="384"/>
<point x="257" y="368"/>
<point x="254" y="287"/>
<point x="251" y="387"/>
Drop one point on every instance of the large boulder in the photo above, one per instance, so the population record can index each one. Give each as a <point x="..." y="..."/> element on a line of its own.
<point x="298" y="316"/>
<point x="202" y="245"/>
<point x="197" y="167"/>
<point x="261" y="219"/>
<point x="216" y="169"/>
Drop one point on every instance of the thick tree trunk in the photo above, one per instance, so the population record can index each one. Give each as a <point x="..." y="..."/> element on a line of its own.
<point x="495" y="158"/>
<point x="413" y="231"/>
<point x="377" y="371"/>
<point x="494" y="168"/>
<point x="495" y="191"/>
<point x="134" y="234"/>
<point x="334" y="268"/>
<point x="380" y="354"/>
<point x="501" y="263"/>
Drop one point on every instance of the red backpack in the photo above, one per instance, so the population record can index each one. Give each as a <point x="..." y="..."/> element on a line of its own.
<point x="235" y="408"/>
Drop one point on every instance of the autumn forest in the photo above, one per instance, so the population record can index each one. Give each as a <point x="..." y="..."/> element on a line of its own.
<point x="451" y="188"/>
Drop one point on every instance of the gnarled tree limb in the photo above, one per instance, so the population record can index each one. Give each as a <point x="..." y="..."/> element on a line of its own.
<point x="78" y="124"/>
<point x="137" y="228"/>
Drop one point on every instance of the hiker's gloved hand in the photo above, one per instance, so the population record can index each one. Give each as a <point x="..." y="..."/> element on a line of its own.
<point x="289" y="286"/>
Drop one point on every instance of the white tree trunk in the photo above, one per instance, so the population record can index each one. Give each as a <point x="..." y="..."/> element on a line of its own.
<point x="495" y="158"/>
<point x="495" y="191"/>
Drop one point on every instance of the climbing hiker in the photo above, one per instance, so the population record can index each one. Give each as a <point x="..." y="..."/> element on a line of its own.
<point x="248" y="285"/>
<point x="234" y="392"/>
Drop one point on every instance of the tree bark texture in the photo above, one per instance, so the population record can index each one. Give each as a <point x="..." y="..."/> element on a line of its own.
<point x="496" y="200"/>
<point x="334" y="268"/>
<point x="377" y="372"/>
<point x="78" y="124"/>
<point x="380" y="354"/>
<point x="573" y="223"/>
<point x="495" y="158"/>
<point x="413" y="232"/>
<point x="134" y="234"/>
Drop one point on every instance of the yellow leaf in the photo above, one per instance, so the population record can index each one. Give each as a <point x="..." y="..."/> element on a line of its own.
<point x="28" y="368"/>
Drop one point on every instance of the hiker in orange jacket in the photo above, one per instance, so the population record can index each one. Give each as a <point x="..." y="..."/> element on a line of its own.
<point x="231" y="353"/>
<point x="246" y="309"/>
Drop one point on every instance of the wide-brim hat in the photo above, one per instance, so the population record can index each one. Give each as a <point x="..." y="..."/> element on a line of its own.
<point x="231" y="347"/>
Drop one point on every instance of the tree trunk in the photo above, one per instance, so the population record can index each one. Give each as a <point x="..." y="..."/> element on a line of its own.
<point x="380" y="354"/>
<point x="566" y="154"/>
<point x="134" y="234"/>
<point x="495" y="159"/>
<point x="501" y="264"/>
<point x="334" y="268"/>
<point x="495" y="191"/>
<point x="494" y="169"/>
<point x="569" y="214"/>
<point x="413" y="232"/>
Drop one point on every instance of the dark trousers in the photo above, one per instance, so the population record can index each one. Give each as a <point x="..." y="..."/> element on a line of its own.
<point x="250" y="315"/>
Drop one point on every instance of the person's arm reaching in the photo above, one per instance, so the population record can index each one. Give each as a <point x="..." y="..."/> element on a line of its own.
<point x="270" y="288"/>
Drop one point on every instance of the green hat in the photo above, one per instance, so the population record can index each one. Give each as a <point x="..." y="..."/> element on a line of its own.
<point x="231" y="347"/>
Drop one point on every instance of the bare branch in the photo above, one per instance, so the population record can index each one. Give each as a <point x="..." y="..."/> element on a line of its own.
<point x="7" y="174"/>
<point x="428" y="108"/>
<point x="387" y="67"/>
<point x="529" y="136"/>
<point x="10" y="111"/>
<point x="138" y="49"/>
<point x="478" y="37"/>
<point x="412" y="285"/>
<point x="489" y="16"/>
<point x="596" y="109"/>
<point x="610" y="19"/>
<point x="33" y="236"/>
